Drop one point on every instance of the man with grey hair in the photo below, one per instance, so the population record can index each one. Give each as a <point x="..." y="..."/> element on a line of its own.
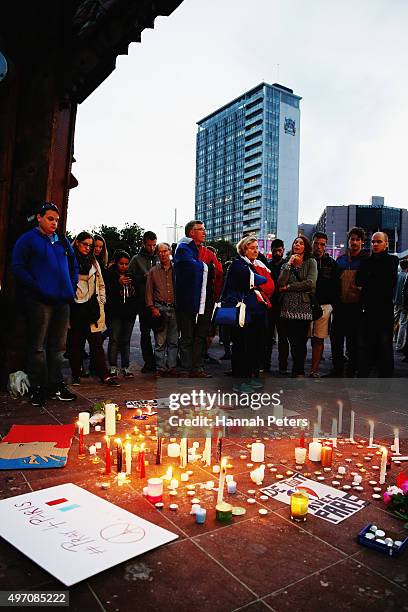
<point x="377" y="278"/>
<point x="160" y="301"/>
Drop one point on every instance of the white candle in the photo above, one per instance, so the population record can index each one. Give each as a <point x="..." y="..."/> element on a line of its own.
<point x="315" y="451"/>
<point x="319" y="418"/>
<point x="98" y="445"/>
<point x="83" y="418"/>
<point x="207" y="451"/>
<point x="173" y="450"/>
<point x="334" y="432"/>
<point x="174" y="483"/>
<point x="110" y="419"/>
<point x="300" y="455"/>
<point x="383" y="467"/>
<point x="315" y="432"/>
<point x="221" y="481"/>
<point x="128" y="457"/>
<point x="257" y="452"/>
<point x="396" y="441"/>
<point x="183" y="452"/>
<point x="92" y="449"/>
<point x="340" y="404"/>
<point x="155" y="487"/>
<point x="184" y="477"/>
<point x="371" y="440"/>
<point x="352" y="415"/>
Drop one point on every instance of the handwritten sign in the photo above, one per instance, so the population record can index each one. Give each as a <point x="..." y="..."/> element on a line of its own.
<point x="325" y="502"/>
<point x="74" y="534"/>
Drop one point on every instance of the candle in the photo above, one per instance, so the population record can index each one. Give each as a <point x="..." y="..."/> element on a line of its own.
<point x="97" y="428"/>
<point x="207" y="451"/>
<point x="174" y="483"/>
<point x="154" y="489"/>
<point x="315" y="432"/>
<point x="92" y="449"/>
<point x="219" y="446"/>
<point x="383" y="467"/>
<point x="83" y="418"/>
<point x="258" y="475"/>
<point x="327" y="456"/>
<point x="340" y="404"/>
<point x="231" y="487"/>
<point x="299" y="504"/>
<point x="371" y="440"/>
<point x="223" y="512"/>
<point x="319" y="418"/>
<point x="159" y="450"/>
<point x="173" y="450"/>
<point x="315" y="451"/>
<point x="302" y="440"/>
<point x="396" y="441"/>
<point x="183" y="452"/>
<point x="98" y="445"/>
<point x="257" y="452"/>
<point x="221" y="481"/>
<point x="128" y="457"/>
<point x="169" y="474"/>
<point x="352" y="415"/>
<point x="200" y="516"/>
<point x="118" y="454"/>
<point x="300" y="455"/>
<point x="107" y="456"/>
<point x="334" y="432"/>
<point x="184" y="477"/>
<point x="81" y="449"/>
<point x="216" y="469"/>
<point x="209" y="485"/>
<point x="110" y="419"/>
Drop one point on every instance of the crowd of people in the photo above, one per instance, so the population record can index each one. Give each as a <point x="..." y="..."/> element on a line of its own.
<point x="75" y="293"/>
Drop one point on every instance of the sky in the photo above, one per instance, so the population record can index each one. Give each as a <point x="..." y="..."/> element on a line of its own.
<point x="348" y="60"/>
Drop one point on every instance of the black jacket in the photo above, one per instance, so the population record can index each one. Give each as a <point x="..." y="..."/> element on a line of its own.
<point x="120" y="302"/>
<point x="377" y="276"/>
<point x="328" y="280"/>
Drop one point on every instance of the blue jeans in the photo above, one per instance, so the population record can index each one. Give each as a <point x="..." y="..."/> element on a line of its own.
<point x="166" y="340"/>
<point x="47" y="335"/>
<point x="120" y="333"/>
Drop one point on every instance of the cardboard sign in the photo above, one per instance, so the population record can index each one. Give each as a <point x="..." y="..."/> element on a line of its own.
<point x="325" y="502"/>
<point x="74" y="534"/>
<point x="36" y="446"/>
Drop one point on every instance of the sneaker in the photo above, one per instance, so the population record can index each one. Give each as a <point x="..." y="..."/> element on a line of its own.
<point x="314" y="375"/>
<point x="63" y="393"/>
<point x="37" y="397"/>
<point x="111" y="382"/>
<point x="126" y="373"/>
<point x="113" y="371"/>
<point x="76" y="381"/>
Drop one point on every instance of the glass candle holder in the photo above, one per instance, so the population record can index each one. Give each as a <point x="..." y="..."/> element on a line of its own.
<point x="299" y="504"/>
<point x="300" y="455"/>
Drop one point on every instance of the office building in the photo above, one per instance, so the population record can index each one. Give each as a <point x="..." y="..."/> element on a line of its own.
<point x="247" y="166"/>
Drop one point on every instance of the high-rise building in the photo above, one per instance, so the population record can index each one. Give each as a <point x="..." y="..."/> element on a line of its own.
<point x="247" y="166"/>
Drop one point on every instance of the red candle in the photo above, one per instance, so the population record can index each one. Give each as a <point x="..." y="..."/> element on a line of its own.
<point x="302" y="440"/>
<point x="327" y="455"/>
<point x="81" y="450"/>
<point x="142" y="464"/>
<point x="107" y="456"/>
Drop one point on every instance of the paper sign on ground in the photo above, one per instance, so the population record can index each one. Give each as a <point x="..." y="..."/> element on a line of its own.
<point x="36" y="446"/>
<point x="74" y="534"/>
<point x="325" y="502"/>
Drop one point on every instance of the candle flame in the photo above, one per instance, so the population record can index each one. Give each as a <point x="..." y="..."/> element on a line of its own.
<point x="118" y="441"/>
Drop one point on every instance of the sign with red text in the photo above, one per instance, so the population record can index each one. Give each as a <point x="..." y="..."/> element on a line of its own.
<point x="74" y="534"/>
<point x="325" y="502"/>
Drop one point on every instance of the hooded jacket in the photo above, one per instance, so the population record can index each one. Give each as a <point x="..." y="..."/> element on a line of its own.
<point x="139" y="266"/>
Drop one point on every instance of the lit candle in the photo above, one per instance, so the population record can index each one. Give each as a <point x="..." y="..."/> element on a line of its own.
<point x="257" y="452"/>
<point x="299" y="504"/>
<point x="207" y="451"/>
<point x="300" y="455"/>
<point x="319" y="418"/>
<point x="334" y="432"/>
<point x="174" y="483"/>
<point x="383" y="467"/>
<point x="110" y="419"/>
<point x="169" y="474"/>
<point x="118" y="454"/>
<point x="81" y="448"/>
<point x="396" y="441"/>
<point x="327" y="456"/>
<point x="83" y="417"/>
<point x="315" y="451"/>
<point x="183" y="452"/>
<point x="128" y="457"/>
<point x="258" y="475"/>
<point x="107" y="456"/>
<point x="371" y="440"/>
<point x="221" y="481"/>
<point x="352" y="415"/>
<point x="340" y="404"/>
<point x="154" y="489"/>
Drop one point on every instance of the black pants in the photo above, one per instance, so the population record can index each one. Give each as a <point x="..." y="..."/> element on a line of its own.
<point x="375" y="345"/>
<point x="145" y="319"/>
<point x="193" y="338"/>
<point x="346" y="326"/>
<point x="248" y="347"/>
<point x="274" y="322"/>
<point x="296" y="331"/>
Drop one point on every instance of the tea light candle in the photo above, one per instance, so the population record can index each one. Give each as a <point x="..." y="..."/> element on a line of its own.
<point x="173" y="450"/>
<point x="232" y="487"/>
<point x="110" y="419"/>
<point x="216" y="469"/>
<point x="154" y="488"/>
<point x="299" y="504"/>
<point x="209" y="485"/>
<point x="200" y="516"/>
<point x="300" y="455"/>
<point x="257" y="452"/>
<point x="173" y="507"/>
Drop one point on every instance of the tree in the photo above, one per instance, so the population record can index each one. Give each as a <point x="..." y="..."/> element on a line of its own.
<point x="128" y="238"/>
<point x="224" y="248"/>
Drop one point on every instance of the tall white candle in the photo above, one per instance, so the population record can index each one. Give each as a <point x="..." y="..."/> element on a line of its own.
<point x="334" y="432"/>
<point x="207" y="451"/>
<point x="315" y="432"/>
<point x="319" y="418"/>
<point x="340" y="426"/>
<point x="315" y="451"/>
<point x="183" y="452"/>
<point x="371" y="440"/>
<point x="383" y="467"/>
<point x="221" y="481"/>
<point x="128" y="457"/>
<point x="110" y="419"/>
<point x="352" y="415"/>
<point x="83" y="418"/>
<point x="396" y="441"/>
<point x="257" y="452"/>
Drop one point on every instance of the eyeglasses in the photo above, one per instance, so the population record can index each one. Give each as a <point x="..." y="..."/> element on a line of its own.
<point x="87" y="245"/>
